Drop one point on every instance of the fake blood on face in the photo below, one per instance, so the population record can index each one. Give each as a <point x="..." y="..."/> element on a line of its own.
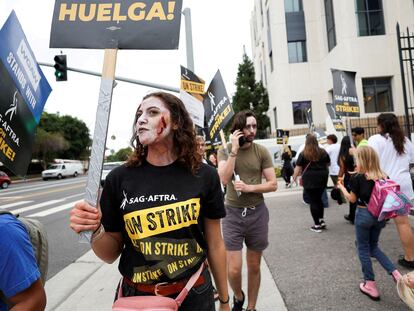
<point x="161" y="126"/>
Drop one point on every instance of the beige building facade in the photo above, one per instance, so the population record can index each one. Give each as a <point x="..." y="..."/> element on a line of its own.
<point x="296" y="42"/>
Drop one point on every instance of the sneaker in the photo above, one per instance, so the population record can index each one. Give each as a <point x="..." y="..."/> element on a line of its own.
<point x="316" y="228"/>
<point x="237" y="304"/>
<point x="406" y="263"/>
<point x="349" y="219"/>
<point x="369" y="288"/>
<point x="323" y="224"/>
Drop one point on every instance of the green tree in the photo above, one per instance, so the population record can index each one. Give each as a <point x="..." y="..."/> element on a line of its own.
<point x="120" y="155"/>
<point x="251" y="95"/>
<point x="48" y="145"/>
<point x="73" y="130"/>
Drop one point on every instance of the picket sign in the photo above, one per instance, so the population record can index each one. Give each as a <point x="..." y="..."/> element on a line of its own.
<point x="100" y="134"/>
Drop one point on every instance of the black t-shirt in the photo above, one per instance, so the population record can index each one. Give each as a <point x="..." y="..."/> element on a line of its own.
<point x="362" y="188"/>
<point x="160" y="212"/>
<point x="316" y="174"/>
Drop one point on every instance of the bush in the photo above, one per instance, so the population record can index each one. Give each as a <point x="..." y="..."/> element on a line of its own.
<point x="278" y="171"/>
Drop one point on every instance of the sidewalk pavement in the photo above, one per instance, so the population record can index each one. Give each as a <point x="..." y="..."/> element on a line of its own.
<point x="89" y="284"/>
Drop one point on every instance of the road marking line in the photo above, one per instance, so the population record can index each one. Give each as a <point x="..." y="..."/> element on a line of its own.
<point x="54" y="210"/>
<point x="15" y="204"/>
<point x="28" y="188"/>
<point x="29" y="208"/>
<point x="48" y="192"/>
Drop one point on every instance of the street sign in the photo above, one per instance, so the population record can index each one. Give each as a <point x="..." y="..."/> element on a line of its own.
<point x="116" y="24"/>
<point x="24" y="91"/>
<point x="344" y="93"/>
<point x="217" y="107"/>
<point x="191" y="93"/>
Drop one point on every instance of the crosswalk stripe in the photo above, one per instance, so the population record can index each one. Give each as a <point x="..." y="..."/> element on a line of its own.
<point x="15" y="204"/>
<point x="54" y="210"/>
<point x="30" y="208"/>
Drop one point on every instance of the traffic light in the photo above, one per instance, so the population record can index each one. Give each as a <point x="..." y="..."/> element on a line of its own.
<point x="61" y="72"/>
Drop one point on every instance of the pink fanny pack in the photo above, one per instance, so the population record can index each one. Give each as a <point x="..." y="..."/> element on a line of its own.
<point x="154" y="303"/>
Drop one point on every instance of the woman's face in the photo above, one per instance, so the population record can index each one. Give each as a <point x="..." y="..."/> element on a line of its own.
<point x="154" y="121"/>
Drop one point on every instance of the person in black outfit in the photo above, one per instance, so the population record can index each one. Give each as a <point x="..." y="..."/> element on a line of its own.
<point x="313" y="163"/>
<point x="287" y="169"/>
<point x="160" y="211"/>
<point x="346" y="168"/>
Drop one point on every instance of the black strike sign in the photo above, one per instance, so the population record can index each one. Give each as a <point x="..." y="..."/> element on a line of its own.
<point x="344" y="93"/>
<point x="121" y="24"/>
<point x="217" y="107"/>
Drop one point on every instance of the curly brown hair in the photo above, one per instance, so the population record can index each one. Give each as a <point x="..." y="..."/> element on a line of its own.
<point x="184" y="142"/>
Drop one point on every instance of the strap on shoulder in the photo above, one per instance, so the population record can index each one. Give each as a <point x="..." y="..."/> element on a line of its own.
<point x="181" y="296"/>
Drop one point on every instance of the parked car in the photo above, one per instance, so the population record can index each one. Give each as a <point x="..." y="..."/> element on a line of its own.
<point x="5" y="181"/>
<point x="61" y="170"/>
<point x="106" y="168"/>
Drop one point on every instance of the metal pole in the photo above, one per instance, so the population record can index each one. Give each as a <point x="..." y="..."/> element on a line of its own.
<point x="117" y="78"/>
<point x="407" y="117"/>
<point x="410" y="60"/>
<point x="189" y="39"/>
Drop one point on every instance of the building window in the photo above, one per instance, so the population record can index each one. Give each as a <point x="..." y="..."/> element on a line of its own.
<point x="330" y="24"/>
<point x="370" y="17"/>
<point x="299" y="111"/>
<point x="293" y="6"/>
<point x="297" y="52"/>
<point x="377" y="95"/>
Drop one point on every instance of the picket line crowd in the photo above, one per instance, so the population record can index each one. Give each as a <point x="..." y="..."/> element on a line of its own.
<point x="191" y="215"/>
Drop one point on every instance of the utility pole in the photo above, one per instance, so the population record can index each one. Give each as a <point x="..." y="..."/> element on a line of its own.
<point x="189" y="39"/>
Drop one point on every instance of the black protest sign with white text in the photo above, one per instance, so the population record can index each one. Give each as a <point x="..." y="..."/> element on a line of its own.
<point x="344" y="93"/>
<point x="217" y="107"/>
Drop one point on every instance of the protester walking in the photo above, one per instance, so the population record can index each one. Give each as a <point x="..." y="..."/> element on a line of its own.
<point x="247" y="215"/>
<point x="346" y="169"/>
<point x="367" y="227"/>
<point x="396" y="153"/>
<point x="358" y="135"/>
<point x="161" y="211"/>
<point x="287" y="168"/>
<point x="313" y="164"/>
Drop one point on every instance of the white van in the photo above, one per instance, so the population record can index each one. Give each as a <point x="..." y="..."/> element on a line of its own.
<point x="275" y="149"/>
<point x="61" y="170"/>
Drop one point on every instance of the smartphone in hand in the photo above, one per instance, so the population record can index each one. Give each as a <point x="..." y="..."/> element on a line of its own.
<point x="242" y="140"/>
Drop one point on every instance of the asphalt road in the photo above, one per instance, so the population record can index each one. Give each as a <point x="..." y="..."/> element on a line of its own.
<point x="321" y="271"/>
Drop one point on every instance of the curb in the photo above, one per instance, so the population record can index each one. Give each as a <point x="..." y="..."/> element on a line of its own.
<point x="24" y="180"/>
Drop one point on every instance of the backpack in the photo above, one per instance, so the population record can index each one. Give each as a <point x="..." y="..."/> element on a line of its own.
<point x="387" y="201"/>
<point x="38" y="238"/>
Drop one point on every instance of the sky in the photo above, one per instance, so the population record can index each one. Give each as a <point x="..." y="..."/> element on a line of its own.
<point x="220" y="28"/>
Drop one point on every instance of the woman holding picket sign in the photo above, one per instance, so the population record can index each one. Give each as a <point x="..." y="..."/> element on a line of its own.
<point x="161" y="212"/>
<point x="396" y="153"/>
<point x="367" y="226"/>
